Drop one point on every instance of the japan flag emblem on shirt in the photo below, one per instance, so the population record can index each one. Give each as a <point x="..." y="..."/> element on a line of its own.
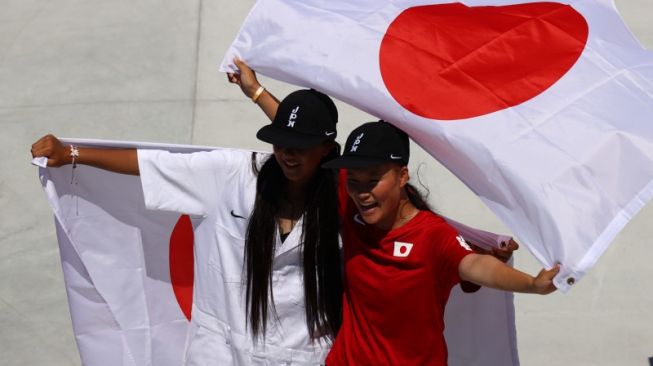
<point x="402" y="250"/>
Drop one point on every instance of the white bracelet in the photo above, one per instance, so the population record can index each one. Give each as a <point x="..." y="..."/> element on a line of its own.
<point x="74" y="153"/>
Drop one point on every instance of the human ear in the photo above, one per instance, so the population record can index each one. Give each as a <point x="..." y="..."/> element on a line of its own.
<point x="404" y="177"/>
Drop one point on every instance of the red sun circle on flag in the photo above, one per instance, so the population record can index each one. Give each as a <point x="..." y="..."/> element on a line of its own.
<point x="182" y="263"/>
<point x="451" y="61"/>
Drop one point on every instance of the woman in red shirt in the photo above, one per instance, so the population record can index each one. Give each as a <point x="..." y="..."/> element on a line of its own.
<point x="401" y="259"/>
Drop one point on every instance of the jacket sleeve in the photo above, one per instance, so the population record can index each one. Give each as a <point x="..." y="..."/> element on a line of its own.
<point x="188" y="183"/>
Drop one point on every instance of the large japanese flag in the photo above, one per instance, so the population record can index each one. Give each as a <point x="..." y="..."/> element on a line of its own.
<point x="542" y="108"/>
<point x="129" y="275"/>
<point x="128" y="270"/>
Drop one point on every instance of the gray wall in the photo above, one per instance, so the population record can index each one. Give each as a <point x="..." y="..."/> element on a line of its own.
<point x="147" y="70"/>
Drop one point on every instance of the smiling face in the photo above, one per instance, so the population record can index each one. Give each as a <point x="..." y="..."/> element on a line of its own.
<point x="299" y="165"/>
<point x="377" y="192"/>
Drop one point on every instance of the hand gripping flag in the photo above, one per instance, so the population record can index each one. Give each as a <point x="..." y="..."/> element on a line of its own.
<point x="543" y="109"/>
<point x="129" y="274"/>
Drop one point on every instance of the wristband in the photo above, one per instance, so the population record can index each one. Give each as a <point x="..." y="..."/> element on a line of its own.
<point x="74" y="153"/>
<point x="257" y="94"/>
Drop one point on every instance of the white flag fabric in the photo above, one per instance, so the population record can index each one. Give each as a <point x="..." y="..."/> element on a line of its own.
<point x="117" y="267"/>
<point x="129" y="274"/>
<point x="543" y="109"/>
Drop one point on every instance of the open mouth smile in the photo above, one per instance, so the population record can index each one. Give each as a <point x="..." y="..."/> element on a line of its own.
<point x="290" y="165"/>
<point x="366" y="208"/>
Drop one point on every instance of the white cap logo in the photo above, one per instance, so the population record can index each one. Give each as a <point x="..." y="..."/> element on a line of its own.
<point x="293" y="117"/>
<point x="402" y="249"/>
<point x="354" y="146"/>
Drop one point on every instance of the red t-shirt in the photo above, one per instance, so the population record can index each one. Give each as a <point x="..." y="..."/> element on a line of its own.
<point x="396" y="287"/>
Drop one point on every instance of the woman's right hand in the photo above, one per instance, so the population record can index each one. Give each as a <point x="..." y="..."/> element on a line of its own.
<point x="246" y="78"/>
<point x="50" y="147"/>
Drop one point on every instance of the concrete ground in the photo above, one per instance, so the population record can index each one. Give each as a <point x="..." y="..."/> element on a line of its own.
<point x="147" y="70"/>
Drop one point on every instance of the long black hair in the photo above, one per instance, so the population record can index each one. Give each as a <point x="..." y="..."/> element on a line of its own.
<point x="320" y="250"/>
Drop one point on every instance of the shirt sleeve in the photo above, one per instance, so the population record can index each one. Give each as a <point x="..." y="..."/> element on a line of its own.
<point x="451" y="249"/>
<point x="188" y="183"/>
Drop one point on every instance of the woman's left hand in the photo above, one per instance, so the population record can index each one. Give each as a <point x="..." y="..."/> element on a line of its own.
<point x="246" y="78"/>
<point x="543" y="283"/>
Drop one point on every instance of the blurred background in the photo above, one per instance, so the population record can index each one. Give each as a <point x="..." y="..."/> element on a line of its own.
<point x="146" y="70"/>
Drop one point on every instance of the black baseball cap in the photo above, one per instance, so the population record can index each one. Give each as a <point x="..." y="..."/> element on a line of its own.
<point x="373" y="143"/>
<point x="305" y="118"/>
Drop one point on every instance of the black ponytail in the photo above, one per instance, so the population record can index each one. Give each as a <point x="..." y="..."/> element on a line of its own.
<point x="416" y="198"/>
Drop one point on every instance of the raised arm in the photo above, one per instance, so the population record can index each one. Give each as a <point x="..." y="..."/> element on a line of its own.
<point x="124" y="161"/>
<point x="249" y="84"/>
<point x="488" y="271"/>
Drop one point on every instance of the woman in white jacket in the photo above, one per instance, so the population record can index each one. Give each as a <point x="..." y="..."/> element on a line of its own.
<point x="267" y="275"/>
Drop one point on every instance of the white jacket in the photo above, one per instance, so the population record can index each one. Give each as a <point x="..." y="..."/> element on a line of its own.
<point x="217" y="188"/>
